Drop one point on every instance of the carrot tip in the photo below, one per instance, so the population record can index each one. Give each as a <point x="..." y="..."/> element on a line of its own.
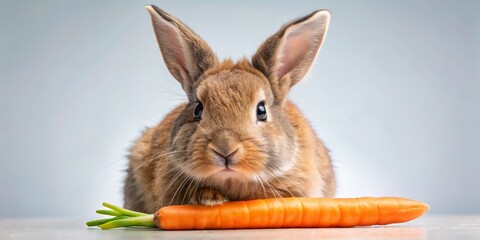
<point x="427" y="207"/>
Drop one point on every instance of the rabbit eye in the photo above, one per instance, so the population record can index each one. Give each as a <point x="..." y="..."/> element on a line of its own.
<point x="197" y="112"/>
<point x="261" y="111"/>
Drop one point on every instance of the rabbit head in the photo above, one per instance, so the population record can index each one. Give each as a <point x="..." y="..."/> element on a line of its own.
<point x="234" y="125"/>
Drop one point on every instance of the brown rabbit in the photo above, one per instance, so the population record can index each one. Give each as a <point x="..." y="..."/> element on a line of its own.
<point x="237" y="137"/>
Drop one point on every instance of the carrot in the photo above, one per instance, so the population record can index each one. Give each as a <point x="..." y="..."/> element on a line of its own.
<point x="273" y="213"/>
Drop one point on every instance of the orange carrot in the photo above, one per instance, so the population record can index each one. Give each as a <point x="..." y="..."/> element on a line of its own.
<point x="280" y="213"/>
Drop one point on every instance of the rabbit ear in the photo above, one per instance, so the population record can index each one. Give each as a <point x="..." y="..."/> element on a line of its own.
<point x="286" y="56"/>
<point x="186" y="55"/>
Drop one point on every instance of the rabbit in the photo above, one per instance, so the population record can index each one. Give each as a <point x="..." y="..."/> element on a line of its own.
<point x="238" y="137"/>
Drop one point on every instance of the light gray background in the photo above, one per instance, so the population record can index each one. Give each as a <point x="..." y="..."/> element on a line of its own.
<point x="394" y="94"/>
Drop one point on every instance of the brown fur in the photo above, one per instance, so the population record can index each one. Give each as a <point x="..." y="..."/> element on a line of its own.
<point x="178" y="161"/>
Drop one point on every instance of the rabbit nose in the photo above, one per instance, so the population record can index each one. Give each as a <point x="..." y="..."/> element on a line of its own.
<point x="225" y="144"/>
<point x="227" y="158"/>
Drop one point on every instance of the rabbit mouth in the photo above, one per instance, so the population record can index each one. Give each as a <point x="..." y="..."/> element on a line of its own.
<point x="227" y="172"/>
<point x="227" y="169"/>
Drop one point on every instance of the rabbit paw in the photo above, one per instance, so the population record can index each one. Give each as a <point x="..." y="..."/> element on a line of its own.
<point x="208" y="196"/>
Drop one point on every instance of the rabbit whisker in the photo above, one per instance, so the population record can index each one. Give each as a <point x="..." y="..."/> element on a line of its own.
<point x="179" y="188"/>
<point x="261" y="184"/>
<point x="152" y="158"/>
<point x="269" y="186"/>
<point x="170" y="183"/>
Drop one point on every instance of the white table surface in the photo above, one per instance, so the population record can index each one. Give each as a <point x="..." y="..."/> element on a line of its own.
<point x="427" y="227"/>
